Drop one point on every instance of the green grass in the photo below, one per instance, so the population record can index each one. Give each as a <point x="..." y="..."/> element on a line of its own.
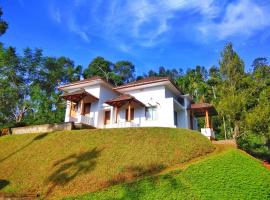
<point x="75" y="162"/>
<point x="228" y="175"/>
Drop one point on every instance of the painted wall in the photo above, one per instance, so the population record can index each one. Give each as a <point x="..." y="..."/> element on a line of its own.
<point x="151" y="96"/>
<point x="105" y="94"/>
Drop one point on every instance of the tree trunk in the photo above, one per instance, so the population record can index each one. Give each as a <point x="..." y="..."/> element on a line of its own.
<point x="225" y="131"/>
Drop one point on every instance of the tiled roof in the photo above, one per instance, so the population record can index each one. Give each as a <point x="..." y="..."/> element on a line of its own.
<point x="199" y="109"/>
<point x="88" y="80"/>
<point x="148" y="80"/>
<point x="77" y="95"/>
<point x="123" y="98"/>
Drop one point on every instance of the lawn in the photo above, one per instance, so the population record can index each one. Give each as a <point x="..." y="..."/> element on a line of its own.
<point x="231" y="174"/>
<point x="67" y="163"/>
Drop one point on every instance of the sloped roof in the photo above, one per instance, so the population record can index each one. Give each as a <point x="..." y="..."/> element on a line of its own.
<point x="147" y="80"/>
<point x="88" y="80"/>
<point x="199" y="109"/>
<point x="122" y="99"/>
<point x="77" y="95"/>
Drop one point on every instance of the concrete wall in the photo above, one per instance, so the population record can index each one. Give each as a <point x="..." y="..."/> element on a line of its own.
<point x="105" y="94"/>
<point x="44" y="128"/>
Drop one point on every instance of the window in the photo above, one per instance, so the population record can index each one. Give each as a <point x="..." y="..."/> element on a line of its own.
<point x="131" y="114"/>
<point x="151" y="113"/>
<point x="87" y="107"/>
<point x="175" y="118"/>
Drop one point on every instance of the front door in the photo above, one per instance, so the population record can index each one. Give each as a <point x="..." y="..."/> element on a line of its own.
<point x="73" y="109"/>
<point x="107" y="117"/>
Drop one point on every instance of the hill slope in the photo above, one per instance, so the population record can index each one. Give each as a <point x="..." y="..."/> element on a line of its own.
<point x="74" y="162"/>
<point x="228" y="175"/>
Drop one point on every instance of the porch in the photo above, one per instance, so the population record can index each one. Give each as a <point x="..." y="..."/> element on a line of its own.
<point x="79" y="105"/>
<point x="122" y="112"/>
<point x="205" y="110"/>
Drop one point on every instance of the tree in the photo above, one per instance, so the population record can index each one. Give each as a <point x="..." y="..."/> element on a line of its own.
<point x="3" y="24"/>
<point x="231" y="65"/>
<point x="98" y="67"/>
<point x="124" y="72"/>
<point x="28" y="84"/>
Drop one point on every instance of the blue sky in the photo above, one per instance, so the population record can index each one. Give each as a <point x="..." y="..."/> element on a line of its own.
<point x="150" y="33"/>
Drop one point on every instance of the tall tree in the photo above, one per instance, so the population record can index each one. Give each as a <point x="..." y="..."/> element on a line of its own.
<point x="99" y="67"/>
<point x="231" y="65"/>
<point x="123" y="72"/>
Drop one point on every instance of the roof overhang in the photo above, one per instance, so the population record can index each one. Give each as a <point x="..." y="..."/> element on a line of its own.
<point x="199" y="109"/>
<point x="164" y="82"/>
<point x="84" y="83"/>
<point x="122" y="100"/>
<point x="78" y="95"/>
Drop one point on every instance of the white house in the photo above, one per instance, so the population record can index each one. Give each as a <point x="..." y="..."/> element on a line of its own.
<point x="150" y="102"/>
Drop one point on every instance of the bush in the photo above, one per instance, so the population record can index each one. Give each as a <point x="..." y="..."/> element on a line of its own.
<point x="257" y="145"/>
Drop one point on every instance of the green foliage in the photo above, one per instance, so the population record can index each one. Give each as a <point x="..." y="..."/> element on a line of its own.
<point x="230" y="175"/>
<point x="3" y="24"/>
<point x="28" y="92"/>
<point x="231" y="65"/>
<point x="119" y="73"/>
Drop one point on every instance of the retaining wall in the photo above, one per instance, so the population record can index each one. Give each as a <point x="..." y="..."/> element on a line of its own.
<point x="44" y="128"/>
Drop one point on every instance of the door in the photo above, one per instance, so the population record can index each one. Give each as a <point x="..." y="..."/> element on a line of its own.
<point x="73" y="109"/>
<point x="107" y="117"/>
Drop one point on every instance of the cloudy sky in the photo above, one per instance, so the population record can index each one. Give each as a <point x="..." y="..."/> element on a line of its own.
<point x="150" y="33"/>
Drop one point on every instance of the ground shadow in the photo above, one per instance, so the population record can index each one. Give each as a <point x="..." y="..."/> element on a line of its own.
<point x="38" y="137"/>
<point x="68" y="168"/>
<point x="3" y="183"/>
<point x="140" y="189"/>
<point x="130" y="173"/>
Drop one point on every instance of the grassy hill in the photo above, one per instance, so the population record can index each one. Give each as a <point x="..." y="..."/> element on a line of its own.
<point x="231" y="174"/>
<point x="74" y="162"/>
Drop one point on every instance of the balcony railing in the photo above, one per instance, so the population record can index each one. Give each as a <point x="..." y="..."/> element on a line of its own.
<point x="82" y="119"/>
<point x="122" y="125"/>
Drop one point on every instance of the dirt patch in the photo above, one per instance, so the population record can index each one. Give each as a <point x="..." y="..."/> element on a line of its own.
<point x="266" y="164"/>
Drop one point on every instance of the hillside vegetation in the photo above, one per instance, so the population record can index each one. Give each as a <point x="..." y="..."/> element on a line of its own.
<point x="228" y="175"/>
<point x="74" y="162"/>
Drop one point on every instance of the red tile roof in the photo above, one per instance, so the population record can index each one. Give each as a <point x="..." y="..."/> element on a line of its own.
<point x="199" y="109"/>
<point x="88" y="80"/>
<point x="148" y="80"/>
<point x="123" y="98"/>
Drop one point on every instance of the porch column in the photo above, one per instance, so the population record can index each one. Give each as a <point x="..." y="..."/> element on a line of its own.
<point x="129" y="112"/>
<point x="207" y="119"/>
<point x="111" y="116"/>
<point x="82" y="107"/>
<point x="116" y="114"/>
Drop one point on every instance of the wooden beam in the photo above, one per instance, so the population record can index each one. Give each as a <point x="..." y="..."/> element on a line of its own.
<point x="116" y="114"/>
<point x="129" y="112"/>
<point x="82" y="107"/>
<point x="207" y="119"/>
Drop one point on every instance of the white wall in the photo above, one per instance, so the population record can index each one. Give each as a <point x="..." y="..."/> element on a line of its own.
<point x="105" y="94"/>
<point x="154" y="96"/>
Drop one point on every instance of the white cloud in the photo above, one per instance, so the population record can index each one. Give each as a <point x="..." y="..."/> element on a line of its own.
<point x="148" y="23"/>
<point x="68" y="19"/>
<point x="242" y="18"/>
